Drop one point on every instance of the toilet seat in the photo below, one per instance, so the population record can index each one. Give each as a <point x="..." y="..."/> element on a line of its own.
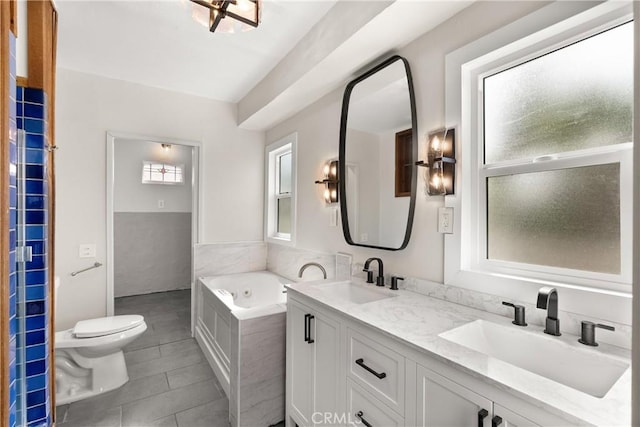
<point x="103" y="331"/>
<point x="66" y="339"/>
<point x="102" y="326"/>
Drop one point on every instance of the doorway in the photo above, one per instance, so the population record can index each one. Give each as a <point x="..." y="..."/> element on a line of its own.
<point x="152" y="215"/>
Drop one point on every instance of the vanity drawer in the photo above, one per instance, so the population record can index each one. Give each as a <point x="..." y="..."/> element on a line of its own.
<point x="378" y="369"/>
<point x="364" y="408"/>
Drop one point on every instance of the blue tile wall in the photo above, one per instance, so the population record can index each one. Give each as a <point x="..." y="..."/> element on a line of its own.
<point x="13" y="325"/>
<point x="31" y="117"/>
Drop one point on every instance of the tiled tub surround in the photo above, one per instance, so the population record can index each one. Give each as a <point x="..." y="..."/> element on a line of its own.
<point x="214" y="259"/>
<point x="286" y="261"/>
<point x="31" y="117"/>
<point x="415" y="321"/>
<point x="245" y="343"/>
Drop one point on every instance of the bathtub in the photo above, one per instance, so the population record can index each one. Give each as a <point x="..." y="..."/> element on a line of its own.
<point x="241" y="328"/>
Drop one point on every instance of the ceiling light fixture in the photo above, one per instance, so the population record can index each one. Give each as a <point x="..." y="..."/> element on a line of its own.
<point x="246" y="11"/>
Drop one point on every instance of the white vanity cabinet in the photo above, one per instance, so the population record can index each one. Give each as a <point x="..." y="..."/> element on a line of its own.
<point x="351" y="374"/>
<point x="313" y="364"/>
<point x="441" y="402"/>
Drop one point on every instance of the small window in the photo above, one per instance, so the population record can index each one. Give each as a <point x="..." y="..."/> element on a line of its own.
<point x="280" y="192"/>
<point x="161" y="173"/>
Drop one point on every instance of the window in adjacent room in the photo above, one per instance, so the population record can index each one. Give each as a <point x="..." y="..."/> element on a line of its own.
<point x="280" y="191"/>
<point x="162" y="173"/>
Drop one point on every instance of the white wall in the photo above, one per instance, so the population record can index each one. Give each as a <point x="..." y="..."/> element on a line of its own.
<point x="87" y="107"/>
<point x="131" y="195"/>
<point x="318" y="137"/>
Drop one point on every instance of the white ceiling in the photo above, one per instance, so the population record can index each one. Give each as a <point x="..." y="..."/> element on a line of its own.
<point x="157" y="43"/>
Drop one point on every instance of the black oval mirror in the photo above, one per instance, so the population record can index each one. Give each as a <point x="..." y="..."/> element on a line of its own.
<point x="378" y="151"/>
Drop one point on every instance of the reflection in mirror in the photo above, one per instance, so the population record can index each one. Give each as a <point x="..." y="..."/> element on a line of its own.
<point x="378" y="150"/>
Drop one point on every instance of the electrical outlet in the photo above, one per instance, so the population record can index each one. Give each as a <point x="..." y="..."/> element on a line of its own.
<point x="87" y="250"/>
<point x="445" y="220"/>
<point x="364" y="237"/>
<point x="160" y="204"/>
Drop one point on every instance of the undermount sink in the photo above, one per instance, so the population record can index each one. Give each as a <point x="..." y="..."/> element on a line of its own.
<point x="585" y="370"/>
<point x="348" y="291"/>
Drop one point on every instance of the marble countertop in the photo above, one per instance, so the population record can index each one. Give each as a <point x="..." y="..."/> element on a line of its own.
<point x="417" y="320"/>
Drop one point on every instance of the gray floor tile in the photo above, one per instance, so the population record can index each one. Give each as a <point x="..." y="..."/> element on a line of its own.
<point x="162" y="405"/>
<point x="61" y="412"/>
<point x="168" y="325"/>
<point x="164" y="364"/>
<point x="179" y="347"/>
<point x="130" y="392"/>
<point x="142" y="355"/>
<point x="152" y="338"/>
<point x="212" y="414"/>
<point x="169" y="421"/>
<point x="109" y="418"/>
<point x="189" y="375"/>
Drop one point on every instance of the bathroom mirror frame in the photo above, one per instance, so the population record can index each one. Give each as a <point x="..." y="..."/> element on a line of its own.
<point x="342" y="164"/>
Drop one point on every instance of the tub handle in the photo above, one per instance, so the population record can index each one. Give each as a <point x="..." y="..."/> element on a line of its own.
<point x="307" y="328"/>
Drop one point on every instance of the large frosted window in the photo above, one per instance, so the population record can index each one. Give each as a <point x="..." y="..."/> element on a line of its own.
<point x="577" y="97"/>
<point x="567" y="218"/>
<point x="555" y="139"/>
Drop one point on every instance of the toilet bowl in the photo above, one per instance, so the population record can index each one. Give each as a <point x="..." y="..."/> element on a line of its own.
<point x="89" y="358"/>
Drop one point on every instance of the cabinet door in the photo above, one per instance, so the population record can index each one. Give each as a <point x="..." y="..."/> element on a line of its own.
<point x="365" y="410"/>
<point x="299" y="364"/>
<point x="443" y="403"/>
<point x="503" y="417"/>
<point x="326" y="339"/>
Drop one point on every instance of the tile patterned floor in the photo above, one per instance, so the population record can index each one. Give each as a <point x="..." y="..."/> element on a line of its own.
<point x="170" y="382"/>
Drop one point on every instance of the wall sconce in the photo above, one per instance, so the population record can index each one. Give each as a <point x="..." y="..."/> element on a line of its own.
<point x="441" y="161"/>
<point x="166" y="147"/>
<point x="330" y="182"/>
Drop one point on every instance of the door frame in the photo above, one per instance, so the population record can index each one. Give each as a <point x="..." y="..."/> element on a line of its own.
<point x="197" y="195"/>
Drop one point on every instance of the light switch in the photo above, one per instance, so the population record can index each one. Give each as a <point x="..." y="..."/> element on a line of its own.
<point x="445" y="220"/>
<point x="160" y="204"/>
<point x="87" y="250"/>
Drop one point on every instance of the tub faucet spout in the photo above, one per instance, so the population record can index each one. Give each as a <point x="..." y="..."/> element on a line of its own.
<point x="312" y="264"/>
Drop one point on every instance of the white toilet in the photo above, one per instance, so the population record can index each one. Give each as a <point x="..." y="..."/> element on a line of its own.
<point x="89" y="358"/>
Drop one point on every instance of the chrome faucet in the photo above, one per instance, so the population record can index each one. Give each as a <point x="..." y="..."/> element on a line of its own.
<point x="380" y="278"/>
<point x="312" y="264"/>
<point x="548" y="299"/>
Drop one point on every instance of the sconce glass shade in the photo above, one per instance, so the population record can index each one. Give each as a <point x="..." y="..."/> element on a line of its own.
<point x="436" y="184"/>
<point x="441" y="162"/>
<point x="330" y="182"/>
